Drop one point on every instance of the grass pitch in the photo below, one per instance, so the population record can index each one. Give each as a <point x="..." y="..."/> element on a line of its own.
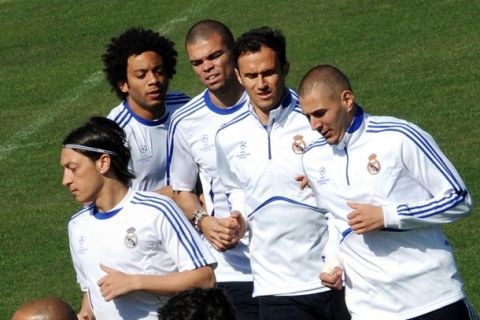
<point x="411" y="59"/>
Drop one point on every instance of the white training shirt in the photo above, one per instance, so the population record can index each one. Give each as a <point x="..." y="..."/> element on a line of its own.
<point x="147" y="141"/>
<point x="191" y="149"/>
<point x="407" y="269"/>
<point x="146" y="233"/>
<point x="258" y="166"/>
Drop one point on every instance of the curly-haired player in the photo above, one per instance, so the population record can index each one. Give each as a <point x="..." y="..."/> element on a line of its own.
<point x="139" y="64"/>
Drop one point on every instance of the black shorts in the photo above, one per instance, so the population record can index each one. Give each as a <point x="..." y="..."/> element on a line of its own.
<point x="240" y="295"/>
<point x="329" y="305"/>
<point x="460" y="310"/>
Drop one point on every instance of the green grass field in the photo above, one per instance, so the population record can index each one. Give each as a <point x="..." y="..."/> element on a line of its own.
<point x="417" y="60"/>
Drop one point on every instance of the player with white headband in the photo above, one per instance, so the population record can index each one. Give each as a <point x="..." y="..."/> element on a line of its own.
<point x="131" y="249"/>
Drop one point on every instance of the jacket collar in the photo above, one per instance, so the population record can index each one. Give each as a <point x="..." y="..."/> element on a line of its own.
<point x="284" y="107"/>
<point x="355" y="129"/>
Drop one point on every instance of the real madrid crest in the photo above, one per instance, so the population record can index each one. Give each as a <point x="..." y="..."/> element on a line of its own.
<point x="373" y="165"/>
<point x="298" y="144"/>
<point x="131" y="239"/>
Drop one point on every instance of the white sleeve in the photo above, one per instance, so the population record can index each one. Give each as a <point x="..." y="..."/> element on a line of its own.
<point x="81" y="278"/>
<point x="332" y="247"/>
<point x="180" y="239"/>
<point x="232" y="186"/>
<point x="428" y="166"/>
<point x="182" y="168"/>
<point x="331" y="250"/>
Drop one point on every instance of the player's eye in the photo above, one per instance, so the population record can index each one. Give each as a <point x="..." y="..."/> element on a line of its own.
<point x="196" y="63"/>
<point x="215" y="55"/>
<point x="160" y="71"/>
<point x="319" y="114"/>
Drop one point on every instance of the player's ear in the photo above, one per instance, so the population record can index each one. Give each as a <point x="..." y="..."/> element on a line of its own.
<point x="348" y="99"/>
<point x="103" y="163"/>
<point x="237" y="72"/>
<point x="123" y="86"/>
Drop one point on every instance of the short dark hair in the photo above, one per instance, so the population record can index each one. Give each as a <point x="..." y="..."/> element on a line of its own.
<point x="204" y="29"/>
<point x="253" y="40"/>
<point x="198" y="304"/>
<point x="132" y="42"/>
<point x="324" y="75"/>
<point x="106" y="134"/>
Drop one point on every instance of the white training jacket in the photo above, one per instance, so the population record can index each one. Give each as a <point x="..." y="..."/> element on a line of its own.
<point x="191" y="154"/>
<point x="258" y="166"/>
<point x="146" y="233"/>
<point x="147" y="141"/>
<point x="407" y="269"/>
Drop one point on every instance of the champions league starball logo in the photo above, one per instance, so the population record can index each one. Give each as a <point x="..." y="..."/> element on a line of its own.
<point x="204" y="138"/>
<point x="243" y="146"/>
<point x="143" y="150"/>
<point x="131" y="239"/>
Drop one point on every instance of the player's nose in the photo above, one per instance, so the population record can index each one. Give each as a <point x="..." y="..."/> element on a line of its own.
<point x="315" y="123"/>
<point x="261" y="83"/>
<point x="207" y="65"/>
<point x="67" y="179"/>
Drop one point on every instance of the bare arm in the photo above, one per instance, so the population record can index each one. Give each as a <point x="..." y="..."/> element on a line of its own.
<point x="220" y="232"/>
<point x="166" y="191"/>
<point x="116" y="284"/>
<point x="86" y="312"/>
<point x="187" y="201"/>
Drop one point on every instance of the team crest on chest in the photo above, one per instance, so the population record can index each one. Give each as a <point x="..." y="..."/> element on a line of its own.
<point x="298" y="144"/>
<point x="131" y="239"/>
<point x="373" y="165"/>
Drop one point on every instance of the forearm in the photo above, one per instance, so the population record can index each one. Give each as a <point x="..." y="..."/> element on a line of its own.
<point x="187" y="201"/>
<point x="175" y="282"/>
<point x="86" y="312"/>
<point x="166" y="191"/>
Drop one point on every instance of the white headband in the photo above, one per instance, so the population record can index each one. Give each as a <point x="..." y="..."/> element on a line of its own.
<point x="81" y="147"/>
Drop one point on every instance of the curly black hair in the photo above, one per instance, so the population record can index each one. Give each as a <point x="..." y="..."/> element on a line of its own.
<point x="198" y="304"/>
<point x="135" y="41"/>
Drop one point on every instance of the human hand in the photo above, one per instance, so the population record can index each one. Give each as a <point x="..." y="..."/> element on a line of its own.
<point x="220" y="232"/>
<point x="303" y="181"/>
<point x="115" y="283"/>
<point x="82" y="315"/>
<point x="241" y="223"/>
<point x="332" y="279"/>
<point x="365" y="217"/>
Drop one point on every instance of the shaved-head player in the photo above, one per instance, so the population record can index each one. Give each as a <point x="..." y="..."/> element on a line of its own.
<point x="48" y="308"/>
<point x="390" y="190"/>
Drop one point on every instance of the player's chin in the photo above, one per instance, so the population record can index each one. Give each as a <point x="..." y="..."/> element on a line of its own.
<point x="155" y="103"/>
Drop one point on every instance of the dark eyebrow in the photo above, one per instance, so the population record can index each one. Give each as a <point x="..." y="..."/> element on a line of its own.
<point x="211" y="56"/>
